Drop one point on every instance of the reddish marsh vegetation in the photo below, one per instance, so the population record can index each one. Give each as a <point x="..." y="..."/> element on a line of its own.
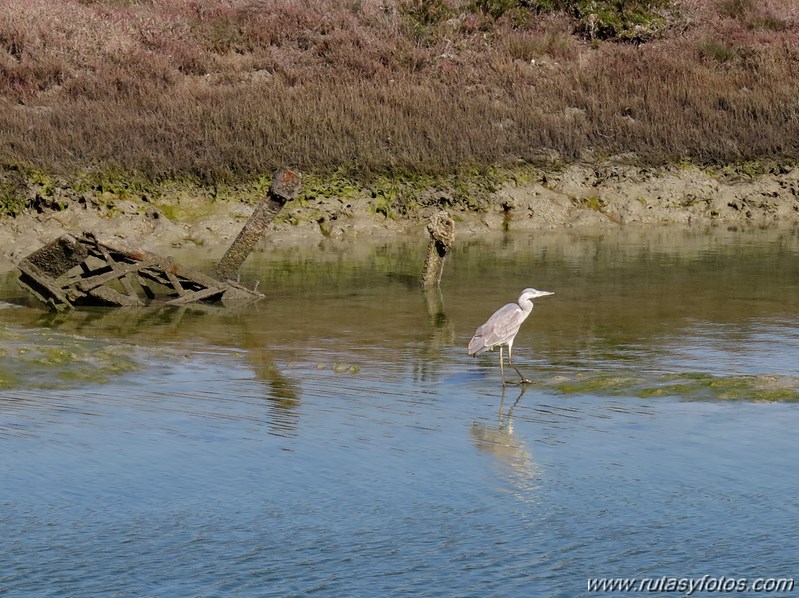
<point x="227" y="89"/>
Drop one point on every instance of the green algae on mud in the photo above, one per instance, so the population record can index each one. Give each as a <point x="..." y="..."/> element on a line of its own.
<point x="47" y="359"/>
<point x="690" y="386"/>
<point x="187" y="199"/>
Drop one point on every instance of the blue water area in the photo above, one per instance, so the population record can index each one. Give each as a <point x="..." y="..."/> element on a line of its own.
<point x="360" y="452"/>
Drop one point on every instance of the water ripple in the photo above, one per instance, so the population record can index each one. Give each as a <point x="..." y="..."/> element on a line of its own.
<point x="360" y="452"/>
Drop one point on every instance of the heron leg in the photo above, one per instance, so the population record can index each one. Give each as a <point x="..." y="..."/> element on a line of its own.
<point x="522" y="380"/>
<point x="501" y="366"/>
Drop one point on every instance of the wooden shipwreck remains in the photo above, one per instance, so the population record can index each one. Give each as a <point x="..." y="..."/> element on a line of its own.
<point x="78" y="271"/>
<point x="84" y="270"/>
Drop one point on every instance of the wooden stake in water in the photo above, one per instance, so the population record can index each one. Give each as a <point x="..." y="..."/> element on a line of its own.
<point x="285" y="187"/>
<point x="441" y="229"/>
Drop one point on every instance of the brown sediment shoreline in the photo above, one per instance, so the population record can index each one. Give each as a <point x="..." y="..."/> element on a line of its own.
<point x="578" y="196"/>
<point x="157" y="123"/>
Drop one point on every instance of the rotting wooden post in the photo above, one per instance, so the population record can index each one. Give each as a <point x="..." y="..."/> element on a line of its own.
<point x="285" y="187"/>
<point x="442" y="233"/>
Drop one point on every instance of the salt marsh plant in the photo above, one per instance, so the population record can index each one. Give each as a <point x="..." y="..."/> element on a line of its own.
<point x="223" y="92"/>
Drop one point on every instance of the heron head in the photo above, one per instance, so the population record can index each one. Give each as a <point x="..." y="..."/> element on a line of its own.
<point x="533" y="293"/>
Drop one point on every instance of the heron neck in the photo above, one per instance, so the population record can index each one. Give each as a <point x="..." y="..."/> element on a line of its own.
<point x="527" y="306"/>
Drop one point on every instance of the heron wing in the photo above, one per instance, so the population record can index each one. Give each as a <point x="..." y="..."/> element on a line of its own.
<point x="501" y="327"/>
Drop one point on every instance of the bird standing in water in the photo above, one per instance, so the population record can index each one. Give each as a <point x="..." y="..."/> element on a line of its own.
<point x="502" y="327"/>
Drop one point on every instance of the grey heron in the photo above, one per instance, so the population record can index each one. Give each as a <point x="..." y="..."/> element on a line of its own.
<point x="502" y="327"/>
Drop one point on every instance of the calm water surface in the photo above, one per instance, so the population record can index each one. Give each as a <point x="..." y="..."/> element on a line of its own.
<point x="336" y="440"/>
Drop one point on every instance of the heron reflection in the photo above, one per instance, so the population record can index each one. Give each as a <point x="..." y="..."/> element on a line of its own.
<point x="510" y="451"/>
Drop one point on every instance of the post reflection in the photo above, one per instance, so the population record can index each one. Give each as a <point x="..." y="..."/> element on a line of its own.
<point x="443" y="327"/>
<point x="441" y="334"/>
<point x="282" y="394"/>
<point x="184" y="329"/>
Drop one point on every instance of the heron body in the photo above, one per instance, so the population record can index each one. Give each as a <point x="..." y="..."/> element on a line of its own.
<point x="502" y="327"/>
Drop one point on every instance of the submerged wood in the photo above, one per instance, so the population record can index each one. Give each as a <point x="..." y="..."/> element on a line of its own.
<point x="285" y="187"/>
<point x="441" y="229"/>
<point x="73" y="271"/>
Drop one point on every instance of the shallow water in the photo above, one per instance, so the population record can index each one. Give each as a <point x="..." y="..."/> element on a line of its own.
<point x="336" y="440"/>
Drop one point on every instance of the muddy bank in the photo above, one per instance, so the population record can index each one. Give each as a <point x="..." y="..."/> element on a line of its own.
<point x="577" y="196"/>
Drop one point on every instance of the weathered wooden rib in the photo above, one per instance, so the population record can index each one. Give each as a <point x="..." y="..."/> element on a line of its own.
<point x="285" y="187"/>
